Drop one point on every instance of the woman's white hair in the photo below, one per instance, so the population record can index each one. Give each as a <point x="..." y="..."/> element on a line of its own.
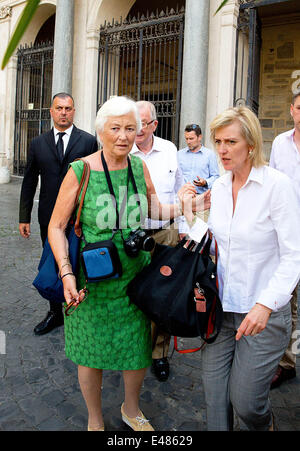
<point x="117" y="106"/>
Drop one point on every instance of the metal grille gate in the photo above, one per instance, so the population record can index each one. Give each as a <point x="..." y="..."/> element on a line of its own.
<point x="248" y="46"/>
<point x="33" y="99"/>
<point x="142" y="58"/>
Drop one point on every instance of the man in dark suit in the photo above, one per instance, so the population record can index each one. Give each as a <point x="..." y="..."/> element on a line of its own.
<point x="49" y="157"/>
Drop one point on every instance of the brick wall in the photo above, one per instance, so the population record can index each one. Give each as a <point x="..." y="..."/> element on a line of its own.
<point x="280" y="75"/>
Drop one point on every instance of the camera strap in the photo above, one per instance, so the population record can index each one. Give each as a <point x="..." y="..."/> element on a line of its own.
<point x="130" y="176"/>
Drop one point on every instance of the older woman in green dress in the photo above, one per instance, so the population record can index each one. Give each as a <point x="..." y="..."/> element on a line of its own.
<point x="106" y="331"/>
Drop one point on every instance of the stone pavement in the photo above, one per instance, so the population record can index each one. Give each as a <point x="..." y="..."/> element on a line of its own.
<point x="38" y="385"/>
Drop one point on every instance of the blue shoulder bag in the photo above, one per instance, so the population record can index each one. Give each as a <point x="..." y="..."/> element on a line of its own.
<point x="47" y="281"/>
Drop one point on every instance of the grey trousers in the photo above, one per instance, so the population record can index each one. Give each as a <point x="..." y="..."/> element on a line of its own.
<point x="288" y="361"/>
<point x="237" y="374"/>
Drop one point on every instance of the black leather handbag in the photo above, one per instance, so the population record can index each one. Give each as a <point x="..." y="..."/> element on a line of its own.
<point x="178" y="290"/>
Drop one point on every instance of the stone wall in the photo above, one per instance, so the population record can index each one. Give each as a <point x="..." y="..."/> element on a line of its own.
<point x="280" y="76"/>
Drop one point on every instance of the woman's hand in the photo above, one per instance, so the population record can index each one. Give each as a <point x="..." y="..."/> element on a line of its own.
<point x="70" y="290"/>
<point x="254" y="322"/>
<point x="202" y="201"/>
<point x="186" y="190"/>
<point x="186" y="194"/>
<point x="190" y="202"/>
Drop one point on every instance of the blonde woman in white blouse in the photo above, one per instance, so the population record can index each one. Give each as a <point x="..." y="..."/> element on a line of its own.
<point x="254" y="218"/>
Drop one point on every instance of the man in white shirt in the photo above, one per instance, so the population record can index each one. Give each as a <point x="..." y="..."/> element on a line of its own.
<point x="49" y="157"/>
<point x="285" y="156"/>
<point x="160" y="156"/>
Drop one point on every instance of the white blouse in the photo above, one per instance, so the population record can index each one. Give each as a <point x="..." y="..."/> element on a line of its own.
<point x="258" y="244"/>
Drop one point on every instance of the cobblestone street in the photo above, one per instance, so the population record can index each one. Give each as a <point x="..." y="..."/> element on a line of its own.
<point x="38" y="385"/>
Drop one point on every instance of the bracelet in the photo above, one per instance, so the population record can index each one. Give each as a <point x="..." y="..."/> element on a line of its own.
<point x="68" y="274"/>
<point x="66" y="264"/>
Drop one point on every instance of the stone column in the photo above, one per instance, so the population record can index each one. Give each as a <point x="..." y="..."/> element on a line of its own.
<point x="195" y="65"/>
<point x="91" y="77"/>
<point x="7" y="97"/>
<point x="63" y="47"/>
<point x="221" y="63"/>
<point x="226" y="51"/>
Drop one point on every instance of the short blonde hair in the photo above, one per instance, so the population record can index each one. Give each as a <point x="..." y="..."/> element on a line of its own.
<point x="250" y="130"/>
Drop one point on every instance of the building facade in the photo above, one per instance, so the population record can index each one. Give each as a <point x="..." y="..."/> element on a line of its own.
<point x="176" y="53"/>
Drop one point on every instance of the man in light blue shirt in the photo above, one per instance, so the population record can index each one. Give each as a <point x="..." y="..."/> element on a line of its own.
<point x="198" y="164"/>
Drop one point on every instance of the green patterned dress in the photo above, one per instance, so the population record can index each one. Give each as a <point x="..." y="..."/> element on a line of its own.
<point x="106" y="331"/>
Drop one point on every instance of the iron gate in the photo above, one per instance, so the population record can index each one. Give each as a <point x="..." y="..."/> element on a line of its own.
<point x="247" y="65"/>
<point x="141" y="57"/>
<point x="33" y="99"/>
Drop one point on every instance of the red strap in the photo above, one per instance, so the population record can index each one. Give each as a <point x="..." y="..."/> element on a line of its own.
<point x="216" y="253"/>
<point x="185" y="351"/>
<point x="211" y="319"/>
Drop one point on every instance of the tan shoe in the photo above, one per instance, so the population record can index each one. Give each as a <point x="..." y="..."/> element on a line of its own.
<point x="137" y="424"/>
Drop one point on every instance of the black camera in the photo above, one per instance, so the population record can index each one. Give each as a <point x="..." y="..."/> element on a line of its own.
<point x="138" y="240"/>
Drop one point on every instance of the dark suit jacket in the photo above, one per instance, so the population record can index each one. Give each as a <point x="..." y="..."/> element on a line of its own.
<point x="43" y="160"/>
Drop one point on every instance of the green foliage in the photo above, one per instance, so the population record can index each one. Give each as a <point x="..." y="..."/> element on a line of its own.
<point x="20" y="29"/>
<point x="221" y="6"/>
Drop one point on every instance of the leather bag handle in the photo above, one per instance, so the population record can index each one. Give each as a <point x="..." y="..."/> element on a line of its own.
<point x="81" y="181"/>
<point x="82" y="186"/>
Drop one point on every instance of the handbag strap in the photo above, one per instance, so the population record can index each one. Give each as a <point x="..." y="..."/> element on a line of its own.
<point x="216" y="257"/>
<point x="82" y="187"/>
<point x="186" y="351"/>
<point x="194" y="246"/>
<point x="83" y="176"/>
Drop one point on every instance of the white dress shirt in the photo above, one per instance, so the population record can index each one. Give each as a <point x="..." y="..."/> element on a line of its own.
<point x="259" y="245"/>
<point x="285" y="157"/>
<point x="164" y="170"/>
<point x="65" y="138"/>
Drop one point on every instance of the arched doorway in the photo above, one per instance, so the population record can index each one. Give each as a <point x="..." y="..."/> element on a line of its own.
<point x="268" y="63"/>
<point x="33" y="92"/>
<point x="141" y="57"/>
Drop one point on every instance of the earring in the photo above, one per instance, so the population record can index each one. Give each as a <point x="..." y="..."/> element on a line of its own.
<point x="250" y="153"/>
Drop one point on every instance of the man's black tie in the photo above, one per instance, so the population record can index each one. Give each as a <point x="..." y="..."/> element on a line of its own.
<point x="60" y="146"/>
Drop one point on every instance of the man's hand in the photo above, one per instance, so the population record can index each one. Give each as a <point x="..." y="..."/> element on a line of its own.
<point x="24" y="230"/>
<point x="199" y="181"/>
<point x="255" y="322"/>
